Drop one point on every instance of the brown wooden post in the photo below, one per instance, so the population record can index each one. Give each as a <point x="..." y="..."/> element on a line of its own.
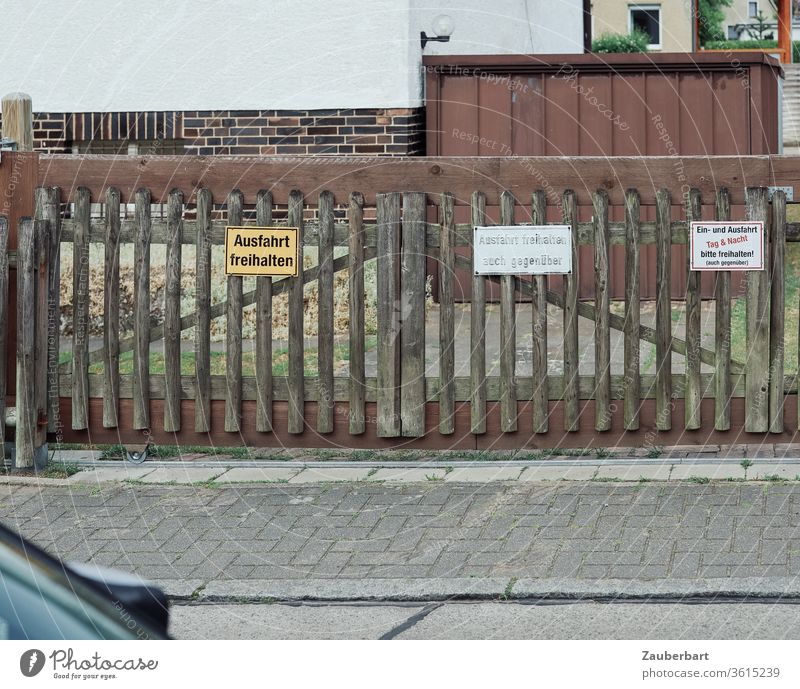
<point x="18" y="120"/>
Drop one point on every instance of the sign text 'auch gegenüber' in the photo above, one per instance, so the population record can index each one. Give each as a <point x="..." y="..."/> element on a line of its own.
<point x="261" y="251"/>
<point x="522" y="249"/>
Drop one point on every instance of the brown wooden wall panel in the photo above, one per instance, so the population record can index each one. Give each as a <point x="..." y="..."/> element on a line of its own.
<point x="664" y="105"/>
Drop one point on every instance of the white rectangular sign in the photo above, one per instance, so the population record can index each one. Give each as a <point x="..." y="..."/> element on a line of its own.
<point x="522" y="249"/>
<point x="727" y="245"/>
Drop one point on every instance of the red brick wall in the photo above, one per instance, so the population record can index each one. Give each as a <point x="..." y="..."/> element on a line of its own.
<point x="396" y="132"/>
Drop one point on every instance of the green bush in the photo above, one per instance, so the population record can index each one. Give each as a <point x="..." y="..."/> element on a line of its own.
<point x="739" y="45"/>
<point x="635" y="42"/>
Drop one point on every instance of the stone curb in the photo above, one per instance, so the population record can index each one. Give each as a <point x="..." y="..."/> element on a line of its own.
<point x="408" y="589"/>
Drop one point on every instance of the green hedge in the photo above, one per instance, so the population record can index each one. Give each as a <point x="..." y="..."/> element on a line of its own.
<point x="745" y="45"/>
<point x="635" y="42"/>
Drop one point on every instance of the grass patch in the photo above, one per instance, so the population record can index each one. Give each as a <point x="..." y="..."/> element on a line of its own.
<point x="698" y="479"/>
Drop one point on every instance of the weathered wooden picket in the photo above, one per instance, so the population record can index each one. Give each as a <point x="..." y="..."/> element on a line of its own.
<point x="339" y="204"/>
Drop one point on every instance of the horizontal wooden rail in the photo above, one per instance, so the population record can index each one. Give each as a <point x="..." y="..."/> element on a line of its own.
<point x="341" y="389"/>
<point x="436" y="175"/>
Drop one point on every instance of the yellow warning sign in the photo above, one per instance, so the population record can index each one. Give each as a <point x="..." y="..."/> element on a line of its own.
<point x="261" y="251"/>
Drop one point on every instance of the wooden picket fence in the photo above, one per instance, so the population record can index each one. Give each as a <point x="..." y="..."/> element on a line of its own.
<point x="339" y="204"/>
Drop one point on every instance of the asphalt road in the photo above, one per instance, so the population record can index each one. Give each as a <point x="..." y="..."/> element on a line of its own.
<point x="489" y="620"/>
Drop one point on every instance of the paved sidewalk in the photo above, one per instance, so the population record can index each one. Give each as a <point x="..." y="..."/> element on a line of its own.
<point x="432" y="539"/>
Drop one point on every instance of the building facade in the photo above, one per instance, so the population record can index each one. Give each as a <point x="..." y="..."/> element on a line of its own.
<point x="667" y="22"/>
<point x="262" y="79"/>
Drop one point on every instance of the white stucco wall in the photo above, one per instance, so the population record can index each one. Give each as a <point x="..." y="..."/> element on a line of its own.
<point x="117" y="55"/>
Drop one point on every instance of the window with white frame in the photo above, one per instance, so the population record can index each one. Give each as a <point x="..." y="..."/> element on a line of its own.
<point x="647" y="19"/>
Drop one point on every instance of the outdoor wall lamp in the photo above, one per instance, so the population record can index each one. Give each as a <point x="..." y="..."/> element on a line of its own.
<point x="442" y="29"/>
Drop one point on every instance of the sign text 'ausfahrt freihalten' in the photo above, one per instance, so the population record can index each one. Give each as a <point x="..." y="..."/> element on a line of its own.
<point x="261" y="251"/>
<point x="726" y="245"/>
<point x="522" y="249"/>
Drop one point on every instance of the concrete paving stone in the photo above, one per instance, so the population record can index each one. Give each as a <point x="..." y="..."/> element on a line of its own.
<point x="405" y="475"/>
<point x="181" y="474"/>
<point x="716" y="471"/>
<point x="759" y="470"/>
<point x="572" y="472"/>
<point x="330" y="474"/>
<point x="483" y="474"/>
<point x="122" y="472"/>
<point x="633" y="472"/>
<point x="270" y="474"/>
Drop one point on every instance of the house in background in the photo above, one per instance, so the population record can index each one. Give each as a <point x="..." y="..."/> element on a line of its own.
<point x="668" y="23"/>
<point x="260" y="78"/>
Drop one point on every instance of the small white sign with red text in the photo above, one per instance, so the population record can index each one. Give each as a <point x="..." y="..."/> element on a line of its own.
<point x="726" y="245"/>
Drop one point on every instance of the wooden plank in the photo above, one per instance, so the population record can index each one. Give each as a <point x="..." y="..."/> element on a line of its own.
<point x="694" y="396"/>
<point x="777" y="311"/>
<point x="357" y="422"/>
<point x="110" y="352"/>
<point x="539" y="327"/>
<point x="663" y="313"/>
<point x="233" y="329"/>
<point x="264" y="327"/>
<point x="508" y="332"/>
<point x="373" y="175"/>
<point x="632" y="312"/>
<point x="296" y="366"/>
<point x="757" y="298"/>
<point x="25" y="435"/>
<point x="447" y="315"/>
<point x="41" y="228"/>
<point x="4" y="318"/>
<point x="586" y="386"/>
<point x="463" y="232"/>
<point x="80" y="311"/>
<point x="202" y="300"/>
<point x="412" y="316"/>
<point x="51" y="212"/>
<point x="569" y="211"/>
<point x="141" y="318"/>
<point x="388" y="295"/>
<point x="325" y="314"/>
<point x="602" y="309"/>
<point x="722" y="330"/>
<point x="172" y="314"/>
<point x="477" y="359"/>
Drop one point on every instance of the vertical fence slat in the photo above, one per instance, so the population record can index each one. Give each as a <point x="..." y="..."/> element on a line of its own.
<point x="602" y="307"/>
<point x="202" y="301"/>
<point x="412" y="316"/>
<point x="172" y="314"/>
<point x="777" y="311"/>
<point x="52" y="214"/>
<point x="693" y="395"/>
<point x="388" y="292"/>
<point x="356" y="326"/>
<point x="80" y="311"/>
<point x="508" y="333"/>
<point x="233" y="330"/>
<point x="26" y="352"/>
<point x="722" y="330"/>
<point x="111" y="312"/>
<point x="296" y="368"/>
<point x="757" y="361"/>
<point x="663" y="311"/>
<point x="264" y="327"/>
<point x="571" y="383"/>
<point x="447" y="259"/>
<point x="4" y="315"/>
<point x="41" y="228"/>
<point x="325" y="314"/>
<point x="141" y="320"/>
<point x="540" y="396"/>
<point x="632" y="380"/>
<point x="477" y="359"/>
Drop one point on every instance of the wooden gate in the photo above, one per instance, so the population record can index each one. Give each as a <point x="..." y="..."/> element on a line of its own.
<point x="484" y="380"/>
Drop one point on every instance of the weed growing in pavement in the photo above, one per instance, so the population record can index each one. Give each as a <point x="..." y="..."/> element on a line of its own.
<point x="698" y="479"/>
<point x="655" y="452"/>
